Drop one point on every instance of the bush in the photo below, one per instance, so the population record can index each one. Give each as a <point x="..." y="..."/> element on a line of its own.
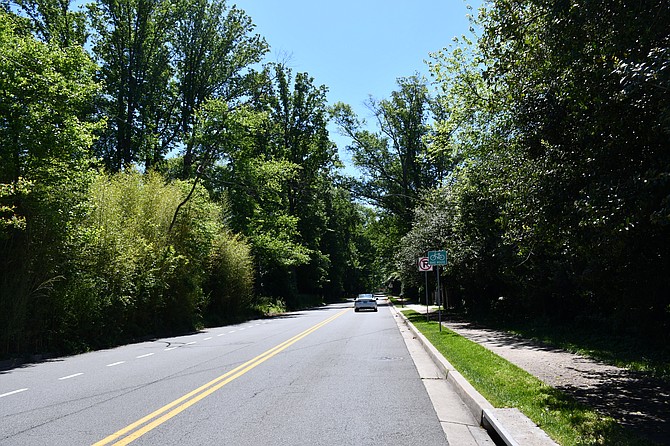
<point x="230" y="281"/>
<point x="132" y="277"/>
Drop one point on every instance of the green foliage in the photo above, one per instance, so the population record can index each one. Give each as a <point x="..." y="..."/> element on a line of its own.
<point x="276" y="171"/>
<point x="381" y="237"/>
<point x="462" y="218"/>
<point x="94" y="259"/>
<point x="350" y="255"/>
<point x="214" y="48"/>
<point x="395" y="161"/>
<point x="597" y="176"/>
<point x="561" y="205"/>
<point x="45" y="94"/>
<point x="125" y="264"/>
<point x="398" y="163"/>
<point x="161" y="62"/>
<point x="270" y="307"/>
<point x="136" y="278"/>
<point x="130" y="42"/>
<point x="45" y="132"/>
<point x="53" y="21"/>
<point x="9" y="219"/>
<point x="230" y="279"/>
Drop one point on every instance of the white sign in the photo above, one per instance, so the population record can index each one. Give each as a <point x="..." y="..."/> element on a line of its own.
<point x="424" y="265"/>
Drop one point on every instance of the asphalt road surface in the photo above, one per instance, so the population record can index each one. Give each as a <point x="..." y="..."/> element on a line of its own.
<point x="327" y="376"/>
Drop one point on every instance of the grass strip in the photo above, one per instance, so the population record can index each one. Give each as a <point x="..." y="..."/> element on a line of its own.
<point x="504" y="384"/>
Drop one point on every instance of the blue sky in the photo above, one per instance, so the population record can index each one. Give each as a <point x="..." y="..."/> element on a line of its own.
<point x="357" y="48"/>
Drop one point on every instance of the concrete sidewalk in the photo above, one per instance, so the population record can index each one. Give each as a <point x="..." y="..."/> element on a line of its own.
<point x="507" y="426"/>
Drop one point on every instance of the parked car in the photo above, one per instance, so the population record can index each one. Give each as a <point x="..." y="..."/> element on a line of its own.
<point x="365" y="302"/>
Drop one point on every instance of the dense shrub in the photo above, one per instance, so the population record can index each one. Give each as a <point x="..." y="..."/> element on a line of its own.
<point x="230" y="279"/>
<point x="125" y="275"/>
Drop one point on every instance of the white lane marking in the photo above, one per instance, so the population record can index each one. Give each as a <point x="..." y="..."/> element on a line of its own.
<point x="231" y="331"/>
<point x="144" y="356"/>
<point x="12" y="393"/>
<point x="222" y="334"/>
<point x="190" y="343"/>
<point x="242" y="328"/>
<point x="207" y="339"/>
<point x="115" y="363"/>
<point x="169" y="348"/>
<point x="70" y="376"/>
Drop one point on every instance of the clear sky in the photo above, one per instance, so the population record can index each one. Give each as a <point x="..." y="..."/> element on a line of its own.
<point x="357" y="48"/>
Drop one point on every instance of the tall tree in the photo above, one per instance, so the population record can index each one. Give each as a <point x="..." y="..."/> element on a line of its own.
<point x="578" y="188"/>
<point x="577" y="73"/>
<point x="53" y="20"/>
<point x="298" y="111"/>
<point x="277" y="173"/>
<point x="130" y="42"/>
<point x="345" y="242"/>
<point x="213" y="49"/>
<point x="162" y="61"/>
<point x="395" y="161"/>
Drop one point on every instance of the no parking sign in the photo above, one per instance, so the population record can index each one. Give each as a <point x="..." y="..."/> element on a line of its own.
<point x="424" y="265"/>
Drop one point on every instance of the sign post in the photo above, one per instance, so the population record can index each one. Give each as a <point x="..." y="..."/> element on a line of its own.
<point x="425" y="267"/>
<point x="438" y="258"/>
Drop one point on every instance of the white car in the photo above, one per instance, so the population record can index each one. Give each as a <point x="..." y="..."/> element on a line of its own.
<point x="365" y="302"/>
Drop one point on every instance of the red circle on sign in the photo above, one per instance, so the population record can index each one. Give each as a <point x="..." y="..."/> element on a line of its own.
<point x="424" y="265"/>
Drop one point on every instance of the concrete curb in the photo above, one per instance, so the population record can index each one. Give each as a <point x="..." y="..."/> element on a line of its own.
<point x="482" y="410"/>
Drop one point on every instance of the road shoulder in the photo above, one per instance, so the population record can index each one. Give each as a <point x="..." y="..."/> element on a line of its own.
<point x="508" y="424"/>
<point x="458" y="423"/>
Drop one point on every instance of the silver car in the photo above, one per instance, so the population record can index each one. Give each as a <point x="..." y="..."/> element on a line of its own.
<point x="365" y="302"/>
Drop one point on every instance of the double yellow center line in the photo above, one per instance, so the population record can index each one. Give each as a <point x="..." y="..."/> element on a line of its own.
<point x="135" y="430"/>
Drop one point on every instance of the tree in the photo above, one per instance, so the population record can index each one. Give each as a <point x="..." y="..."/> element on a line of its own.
<point x="395" y="161"/>
<point x="161" y="62"/>
<point x="345" y="243"/>
<point x="214" y="47"/>
<point x="46" y="132"/>
<point x="599" y="176"/>
<point x="131" y="43"/>
<point x="276" y="172"/>
<point x="298" y="112"/>
<point x="578" y="189"/>
<point x="53" y="21"/>
<point x="253" y="181"/>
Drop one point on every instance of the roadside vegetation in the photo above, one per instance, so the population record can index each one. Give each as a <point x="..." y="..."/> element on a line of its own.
<point x="139" y="196"/>
<point x="139" y="199"/>
<point x="505" y="385"/>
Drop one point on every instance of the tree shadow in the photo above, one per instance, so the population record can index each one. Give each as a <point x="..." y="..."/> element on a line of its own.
<point x="636" y="400"/>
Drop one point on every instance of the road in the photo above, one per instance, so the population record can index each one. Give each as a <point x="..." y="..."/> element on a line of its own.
<point x="327" y="376"/>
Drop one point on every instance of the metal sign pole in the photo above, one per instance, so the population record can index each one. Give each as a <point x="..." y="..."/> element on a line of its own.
<point x="425" y="266"/>
<point x="439" y="299"/>
<point x="426" y="275"/>
<point x="438" y="258"/>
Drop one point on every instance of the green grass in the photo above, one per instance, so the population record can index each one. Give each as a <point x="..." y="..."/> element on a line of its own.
<point x="506" y="385"/>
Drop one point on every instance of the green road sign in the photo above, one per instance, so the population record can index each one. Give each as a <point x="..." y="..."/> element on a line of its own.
<point x="437" y="257"/>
